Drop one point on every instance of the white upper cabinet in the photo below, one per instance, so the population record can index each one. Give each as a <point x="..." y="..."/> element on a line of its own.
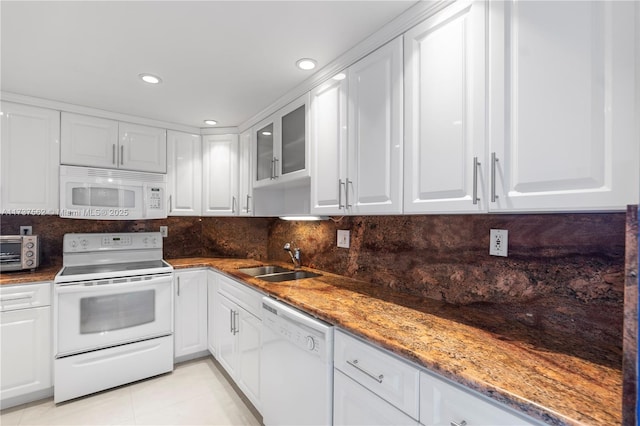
<point x="356" y="137"/>
<point x="562" y="105"/>
<point x="444" y="164"/>
<point x="329" y="146"/>
<point x="99" y="142"/>
<point x="184" y="173"/>
<point x="143" y="148"/>
<point x="374" y="181"/>
<point x="220" y="175"/>
<point x="282" y="153"/>
<point x="245" y="179"/>
<point x="89" y="141"/>
<point x="30" y="158"/>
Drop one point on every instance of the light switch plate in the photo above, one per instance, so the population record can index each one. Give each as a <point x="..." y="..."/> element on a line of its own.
<point x="498" y="242"/>
<point x="164" y="231"/>
<point x="343" y="238"/>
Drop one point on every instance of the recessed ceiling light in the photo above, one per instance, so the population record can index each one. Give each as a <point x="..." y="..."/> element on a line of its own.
<point x="306" y="64"/>
<point x="340" y="76"/>
<point x="150" y="78"/>
<point x="210" y="122"/>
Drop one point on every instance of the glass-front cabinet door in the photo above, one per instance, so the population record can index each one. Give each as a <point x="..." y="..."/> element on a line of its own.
<point x="293" y="140"/>
<point x="281" y="149"/>
<point x="265" y="160"/>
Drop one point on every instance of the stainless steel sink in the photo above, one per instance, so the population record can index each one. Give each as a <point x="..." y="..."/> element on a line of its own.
<point x="288" y="276"/>
<point x="264" y="270"/>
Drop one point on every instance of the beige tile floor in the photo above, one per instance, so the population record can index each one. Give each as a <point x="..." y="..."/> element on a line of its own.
<point x="195" y="393"/>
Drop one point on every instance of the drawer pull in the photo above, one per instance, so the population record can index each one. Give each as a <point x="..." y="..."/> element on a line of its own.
<point x="378" y="379"/>
<point x="462" y="423"/>
<point x="17" y="296"/>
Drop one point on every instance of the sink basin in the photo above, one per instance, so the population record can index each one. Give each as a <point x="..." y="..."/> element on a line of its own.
<point x="288" y="276"/>
<point x="264" y="270"/>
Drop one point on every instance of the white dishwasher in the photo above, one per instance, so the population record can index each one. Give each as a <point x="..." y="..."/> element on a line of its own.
<point x="296" y="371"/>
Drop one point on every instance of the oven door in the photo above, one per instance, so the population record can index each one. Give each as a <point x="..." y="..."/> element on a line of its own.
<point x="103" y="313"/>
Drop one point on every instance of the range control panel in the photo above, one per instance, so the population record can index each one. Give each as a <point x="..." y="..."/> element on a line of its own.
<point x="77" y="243"/>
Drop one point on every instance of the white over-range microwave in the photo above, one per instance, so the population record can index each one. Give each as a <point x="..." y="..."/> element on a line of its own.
<point x="110" y="194"/>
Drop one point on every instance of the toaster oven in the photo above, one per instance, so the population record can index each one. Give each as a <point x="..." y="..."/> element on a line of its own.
<point x="18" y="252"/>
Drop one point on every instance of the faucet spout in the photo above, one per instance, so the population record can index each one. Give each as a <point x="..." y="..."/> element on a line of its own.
<point x="295" y="255"/>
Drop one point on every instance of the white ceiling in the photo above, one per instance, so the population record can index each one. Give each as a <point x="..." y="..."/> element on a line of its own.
<point x="225" y="60"/>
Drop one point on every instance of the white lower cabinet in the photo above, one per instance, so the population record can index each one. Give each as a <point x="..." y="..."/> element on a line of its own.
<point x="237" y="327"/>
<point x="212" y="296"/>
<point x="190" y="334"/>
<point x="372" y="386"/>
<point x="25" y="334"/>
<point x="444" y="403"/>
<point x="354" y="404"/>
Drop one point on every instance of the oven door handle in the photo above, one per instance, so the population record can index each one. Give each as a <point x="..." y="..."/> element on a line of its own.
<point x="75" y="288"/>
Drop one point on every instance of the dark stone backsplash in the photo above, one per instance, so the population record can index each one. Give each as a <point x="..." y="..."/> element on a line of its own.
<point x="565" y="272"/>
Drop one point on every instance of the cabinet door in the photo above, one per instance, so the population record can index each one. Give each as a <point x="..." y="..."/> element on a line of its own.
<point x="30" y="158"/>
<point x="142" y="148"/>
<point x="190" y="313"/>
<point x="265" y="154"/>
<point x="562" y="102"/>
<point x="184" y="173"/>
<point x="443" y="404"/>
<point x="444" y="79"/>
<point x="245" y="179"/>
<point x="89" y="141"/>
<point x="249" y="356"/>
<point x="374" y="181"/>
<point x="293" y="159"/>
<point x="226" y="346"/>
<point x="220" y="175"/>
<point x="26" y="351"/>
<point x="328" y="144"/>
<point x="212" y="298"/>
<point x="355" y="405"/>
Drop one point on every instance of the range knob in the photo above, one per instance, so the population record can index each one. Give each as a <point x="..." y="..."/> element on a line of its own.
<point x="311" y="343"/>
<point x="84" y="243"/>
<point x="29" y="253"/>
<point x="74" y="243"/>
<point x="30" y="262"/>
<point x="29" y="245"/>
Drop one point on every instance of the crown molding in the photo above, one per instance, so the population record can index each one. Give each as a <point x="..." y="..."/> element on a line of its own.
<point x="398" y="26"/>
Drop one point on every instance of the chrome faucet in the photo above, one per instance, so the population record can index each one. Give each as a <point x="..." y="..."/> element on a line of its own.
<point x="295" y="255"/>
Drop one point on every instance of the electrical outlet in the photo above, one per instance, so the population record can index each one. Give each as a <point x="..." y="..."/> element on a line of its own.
<point x="498" y="242"/>
<point x="343" y="238"/>
<point x="26" y="230"/>
<point x="164" y="231"/>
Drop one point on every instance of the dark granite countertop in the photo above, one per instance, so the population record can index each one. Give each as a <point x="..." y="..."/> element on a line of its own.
<point x="549" y="377"/>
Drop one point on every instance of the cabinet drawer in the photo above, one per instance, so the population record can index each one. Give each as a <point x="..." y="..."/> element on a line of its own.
<point x="24" y="296"/>
<point x="443" y="403"/>
<point x="381" y="372"/>
<point x="244" y="296"/>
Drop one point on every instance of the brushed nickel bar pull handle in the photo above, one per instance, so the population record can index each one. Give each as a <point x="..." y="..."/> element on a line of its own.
<point x="354" y="363"/>
<point x="231" y="321"/>
<point x="462" y="423"/>
<point x="178" y="286"/>
<point x="236" y="314"/>
<point x="476" y="163"/>
<point x="248" y="201"/>
<point x="113" y="154"/>
<point x="122" y="155"/>
<point x="170" y="204"/>
<point x="275" y="168"/>
<point x="494" y="160"/>
<point x="346" y="190"/>
<point x="233" y="204"/>
<point x="340" y="183"/>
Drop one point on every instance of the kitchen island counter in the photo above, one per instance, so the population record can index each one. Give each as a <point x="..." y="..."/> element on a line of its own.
<point x="548" y="376"/>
